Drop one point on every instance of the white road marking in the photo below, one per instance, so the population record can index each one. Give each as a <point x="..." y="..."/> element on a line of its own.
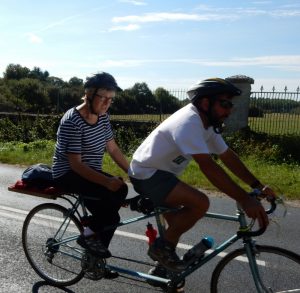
<point x="18" y="214"/>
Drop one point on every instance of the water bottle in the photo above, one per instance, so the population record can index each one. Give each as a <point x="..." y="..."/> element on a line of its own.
<point x="151" y="233"/>
<point x="197" y="251"/>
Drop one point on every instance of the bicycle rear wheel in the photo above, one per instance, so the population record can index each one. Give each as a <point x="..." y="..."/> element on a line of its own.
<point x="49" y="242"/>
<point x="279" y="270"/>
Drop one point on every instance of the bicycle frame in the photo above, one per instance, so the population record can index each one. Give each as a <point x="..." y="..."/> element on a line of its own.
<point x="157" y="213"/>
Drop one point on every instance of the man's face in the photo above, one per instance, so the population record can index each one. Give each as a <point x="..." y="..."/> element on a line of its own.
<point x="222" y="108"/>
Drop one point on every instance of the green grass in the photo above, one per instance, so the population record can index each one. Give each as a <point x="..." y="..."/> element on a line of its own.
<point x="273" y="123"/>
<point x="276" y="123"/>
<point x="285" y="178"/>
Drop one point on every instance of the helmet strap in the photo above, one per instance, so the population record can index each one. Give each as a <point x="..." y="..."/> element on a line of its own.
<point x="218" y="127"/>
<point x="90" y="102"/>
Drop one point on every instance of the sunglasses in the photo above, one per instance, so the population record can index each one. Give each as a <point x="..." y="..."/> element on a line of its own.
<point x="225" y="104"/>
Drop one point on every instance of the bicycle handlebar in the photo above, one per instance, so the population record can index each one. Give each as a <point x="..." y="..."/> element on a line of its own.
<point x="261" y="230"/>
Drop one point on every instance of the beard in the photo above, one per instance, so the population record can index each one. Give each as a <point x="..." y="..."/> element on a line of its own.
<point x="217" y="122"/>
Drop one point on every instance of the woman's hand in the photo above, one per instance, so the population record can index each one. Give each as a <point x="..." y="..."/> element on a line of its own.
<point x="114" y="183"/>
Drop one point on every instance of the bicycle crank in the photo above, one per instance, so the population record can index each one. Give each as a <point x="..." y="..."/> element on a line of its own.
<point x="93" y="267"/>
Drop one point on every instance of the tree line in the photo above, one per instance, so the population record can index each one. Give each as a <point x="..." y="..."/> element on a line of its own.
<point x="35" y="91"/>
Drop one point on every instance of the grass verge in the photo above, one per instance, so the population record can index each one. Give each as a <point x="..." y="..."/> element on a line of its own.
<point x="284" y="177"/>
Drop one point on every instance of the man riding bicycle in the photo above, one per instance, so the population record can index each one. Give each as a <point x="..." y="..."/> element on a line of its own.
<point x="192" y="132"/>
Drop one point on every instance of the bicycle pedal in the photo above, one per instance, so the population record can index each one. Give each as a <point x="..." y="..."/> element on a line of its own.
<point x="93" y="267"/>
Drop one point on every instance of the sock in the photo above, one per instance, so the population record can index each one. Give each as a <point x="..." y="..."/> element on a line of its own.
<point x="88" y="232"/>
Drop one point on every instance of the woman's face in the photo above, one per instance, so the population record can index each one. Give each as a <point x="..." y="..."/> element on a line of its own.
<point x="102" y="100"/>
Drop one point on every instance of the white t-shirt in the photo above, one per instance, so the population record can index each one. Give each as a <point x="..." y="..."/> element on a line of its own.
<point x="171" y="145"/>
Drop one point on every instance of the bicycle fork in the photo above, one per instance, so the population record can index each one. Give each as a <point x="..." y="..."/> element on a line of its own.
<point x="251" y="253"/>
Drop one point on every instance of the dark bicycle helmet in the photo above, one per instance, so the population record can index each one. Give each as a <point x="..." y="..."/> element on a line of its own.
<point x="102" y="80"/>
<point x="212" y="87"/>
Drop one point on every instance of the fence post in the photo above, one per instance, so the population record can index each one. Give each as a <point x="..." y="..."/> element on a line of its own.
<point x="239" y="116"/>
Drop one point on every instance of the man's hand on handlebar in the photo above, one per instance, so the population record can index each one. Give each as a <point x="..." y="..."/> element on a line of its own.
<point x="267" y="193"/>
<point x="255" y="210"/>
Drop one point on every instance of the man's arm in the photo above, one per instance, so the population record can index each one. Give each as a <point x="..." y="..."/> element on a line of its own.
<point x="219" y="178"/>
<point x="237" y="167"/>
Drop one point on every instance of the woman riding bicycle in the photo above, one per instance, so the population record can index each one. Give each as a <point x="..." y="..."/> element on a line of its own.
<point x="83" y="135"/>
<point x="193" y="132"/>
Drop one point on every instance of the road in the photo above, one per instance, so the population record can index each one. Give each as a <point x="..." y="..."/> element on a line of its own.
<point x="16" y="275"/>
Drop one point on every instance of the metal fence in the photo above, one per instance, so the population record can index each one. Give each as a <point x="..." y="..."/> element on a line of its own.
<point x="275" y="112"/>
<point x="269" y="112"/>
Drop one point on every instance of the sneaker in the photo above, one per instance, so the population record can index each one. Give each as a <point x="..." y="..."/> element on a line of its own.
<point x="94" y="245"/>
<point x="164" y="253"/>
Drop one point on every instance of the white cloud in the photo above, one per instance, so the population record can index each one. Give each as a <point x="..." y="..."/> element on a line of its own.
<point x="129" y="27"/>
<point x="33" y="38"/>
<point x="285" y="62"/>
<point x="166" y="16"/>
<point x="134" y="2"/>
<point x="215" y="15"/>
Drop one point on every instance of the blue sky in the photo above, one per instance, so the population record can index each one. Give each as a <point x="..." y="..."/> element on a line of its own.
<point x="168" y="43"/>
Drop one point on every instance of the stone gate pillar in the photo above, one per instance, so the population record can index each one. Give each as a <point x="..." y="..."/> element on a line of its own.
<point x="239" y="115"/>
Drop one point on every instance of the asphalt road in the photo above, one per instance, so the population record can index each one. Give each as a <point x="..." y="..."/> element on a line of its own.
<point x="16" y="275"/>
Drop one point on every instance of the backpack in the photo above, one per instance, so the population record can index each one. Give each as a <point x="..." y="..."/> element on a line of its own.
<point x="39" y="175"/>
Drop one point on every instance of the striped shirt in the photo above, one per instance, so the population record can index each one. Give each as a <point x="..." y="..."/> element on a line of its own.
<point x="76" y="136"/>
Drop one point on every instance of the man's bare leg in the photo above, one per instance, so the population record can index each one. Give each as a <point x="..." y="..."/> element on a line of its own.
<point x="195" y="205"/>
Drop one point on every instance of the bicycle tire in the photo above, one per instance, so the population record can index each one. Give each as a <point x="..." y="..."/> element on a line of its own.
<point x="51" y="263"/>
<point x="279" y="270"/>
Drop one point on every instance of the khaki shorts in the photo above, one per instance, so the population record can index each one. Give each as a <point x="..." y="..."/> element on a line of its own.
<point x="157" y="187"/>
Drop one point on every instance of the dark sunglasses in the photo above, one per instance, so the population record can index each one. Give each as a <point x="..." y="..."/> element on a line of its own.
<point x="226" y="104"/>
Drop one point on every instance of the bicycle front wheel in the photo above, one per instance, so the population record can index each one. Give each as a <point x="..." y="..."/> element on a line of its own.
<point x="279" y="271"/>
<point x="49" y="241"/>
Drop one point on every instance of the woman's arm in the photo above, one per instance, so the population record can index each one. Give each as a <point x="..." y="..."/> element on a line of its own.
<point x="116" y="154"/>
<point x="111" y="183"/>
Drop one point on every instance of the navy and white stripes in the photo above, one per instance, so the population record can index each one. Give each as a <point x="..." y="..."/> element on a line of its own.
<point x="75" y="135"/>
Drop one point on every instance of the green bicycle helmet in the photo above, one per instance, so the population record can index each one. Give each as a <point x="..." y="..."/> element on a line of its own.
<point x="212" y="87"/>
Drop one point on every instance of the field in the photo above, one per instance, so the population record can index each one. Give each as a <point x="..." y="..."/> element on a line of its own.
<point x="276" y="123"/>
<point x="273" y="123"/>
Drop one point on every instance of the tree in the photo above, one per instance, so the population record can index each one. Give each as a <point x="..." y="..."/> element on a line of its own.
<point x="37" y="73"/>
<point x="75" y="81"/>
<point x="144" y="98"/>
<point x="124" y="103"/>
<point x="34" y="94"/>
<point x="168" y="104"/>
<point x="16" y="71"/>
<point x="55" y="81"/>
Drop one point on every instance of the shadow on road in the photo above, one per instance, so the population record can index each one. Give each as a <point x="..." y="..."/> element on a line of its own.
<point x="42" y="284"/>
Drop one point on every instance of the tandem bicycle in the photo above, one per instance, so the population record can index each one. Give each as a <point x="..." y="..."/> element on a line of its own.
<point x="57" y="258"/>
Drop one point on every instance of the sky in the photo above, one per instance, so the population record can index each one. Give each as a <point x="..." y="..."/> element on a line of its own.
<point x="165" y="43"/>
